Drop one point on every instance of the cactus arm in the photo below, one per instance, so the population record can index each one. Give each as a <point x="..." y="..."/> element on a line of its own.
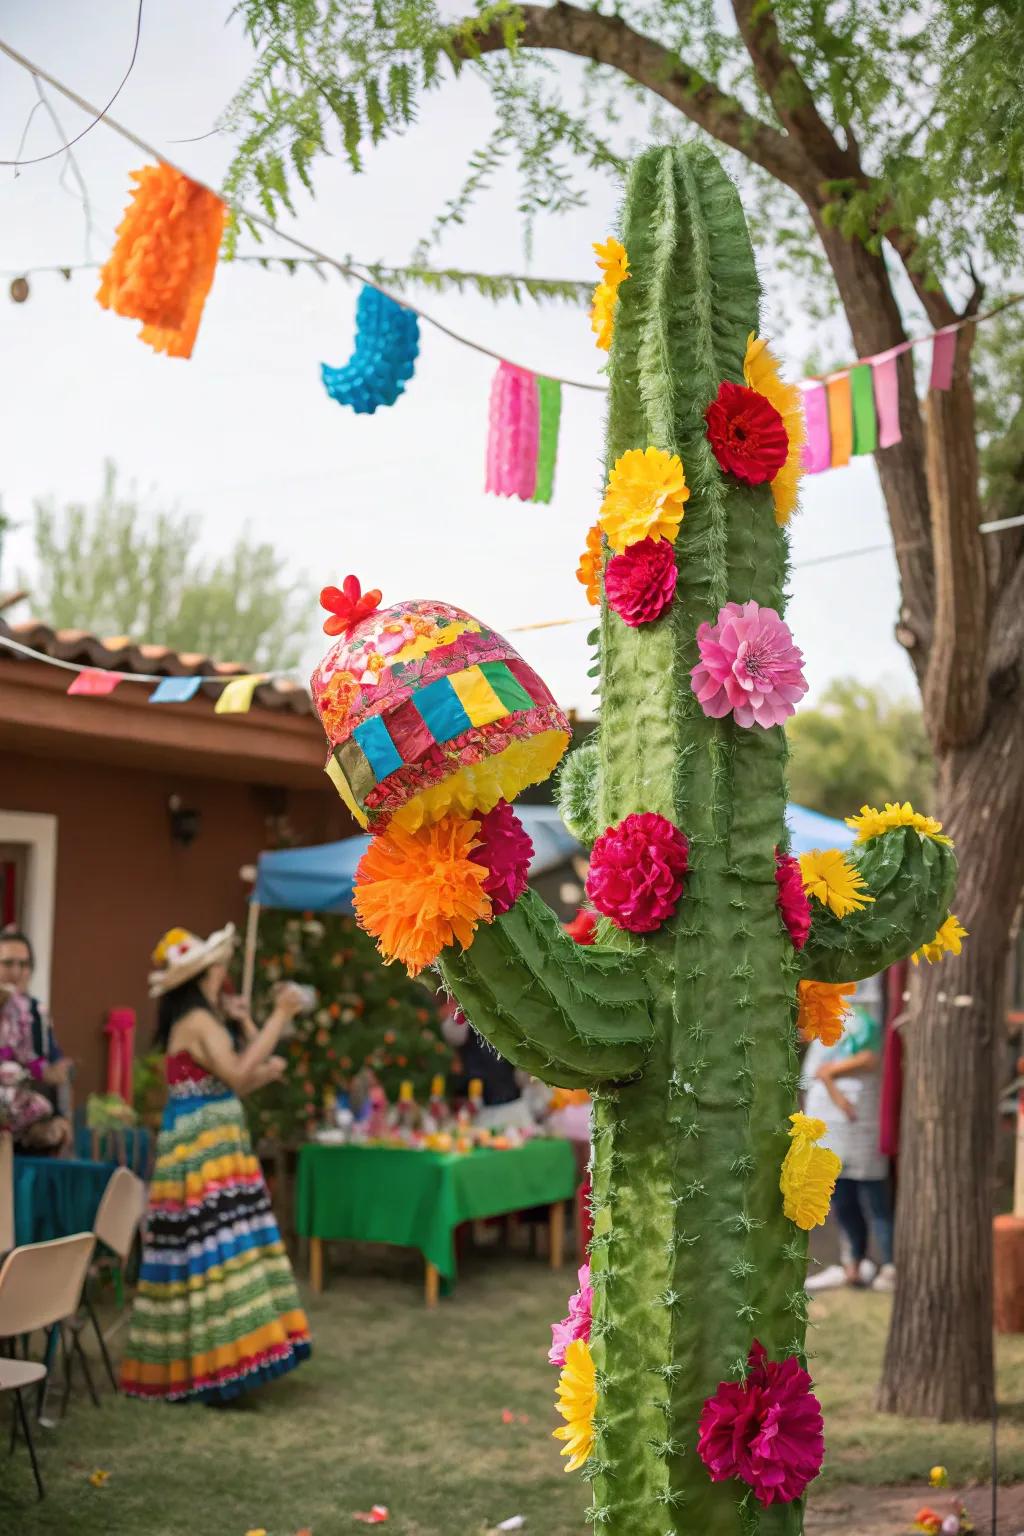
<point x="579" y="791"/>
<point x="911" y="878"/>
<point x="574" y="1015"/>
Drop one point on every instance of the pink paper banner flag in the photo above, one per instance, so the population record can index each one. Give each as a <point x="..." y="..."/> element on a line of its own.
<point x="95" y="683"/>
<point x="818" y="447"/>
<point x="887" y="401"/>
<point x="943" y="355"/>
<point x="512" y="437"/>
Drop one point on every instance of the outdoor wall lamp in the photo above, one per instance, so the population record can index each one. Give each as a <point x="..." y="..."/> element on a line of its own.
<point x="184" y="821"/>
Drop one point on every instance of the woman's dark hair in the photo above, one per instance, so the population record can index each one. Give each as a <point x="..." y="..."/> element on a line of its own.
<point x="175" y="1004"/>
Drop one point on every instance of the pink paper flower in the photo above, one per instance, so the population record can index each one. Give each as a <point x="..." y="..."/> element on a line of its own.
<point x="766" y="1431"/>
<point x="792" y="899"/>
<point x="637" y="870"/>
<point x="577" y="1324"/>
<point x="506" y="850"/>
<point x="641" y="582"/>
<point x="748" y="666"/>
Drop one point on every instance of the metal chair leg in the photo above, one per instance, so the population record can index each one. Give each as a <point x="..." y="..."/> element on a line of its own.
<point x="26" y="1431"/>
<point x="67" y="1371"/>
<point x="14" y="1424"/>
<point x="76" y="1344"/>
<point x="101" y="1341"/>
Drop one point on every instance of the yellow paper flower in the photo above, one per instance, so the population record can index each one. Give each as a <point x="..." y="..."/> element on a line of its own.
<point x="644" y="498"/>
<point x="98" y="1478"/>
<point x="823" y="1009"/>
<point x="577" y="1403"/>
<point x="832" y="881"/>
<point x="872" y="823"/>
<point x="612" y="260"/>
<point x="938" y="1477"/>
<point x="171" y="938"/>
<point x="589" y="569"/>
<point x="948" y="941"/>
<point x="809" y="1174"/>
<point x="602" y="314"/>
<point x="761" y="371"/>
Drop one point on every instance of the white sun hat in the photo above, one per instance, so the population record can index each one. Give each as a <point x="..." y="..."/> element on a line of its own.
<point x="180" y="955"/>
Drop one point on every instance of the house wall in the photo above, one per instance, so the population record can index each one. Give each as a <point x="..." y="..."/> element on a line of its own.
<point x="122" y="880"/>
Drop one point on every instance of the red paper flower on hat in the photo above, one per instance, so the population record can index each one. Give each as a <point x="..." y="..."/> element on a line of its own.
<point x="641" y="582"/>
<point x="347" y="605"/>
<point x="637" y="871"/>
<point x="792" y="899"/>
<point x="746" y="433"/>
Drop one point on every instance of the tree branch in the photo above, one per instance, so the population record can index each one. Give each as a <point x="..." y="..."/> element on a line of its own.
<point x="612" y="41"/>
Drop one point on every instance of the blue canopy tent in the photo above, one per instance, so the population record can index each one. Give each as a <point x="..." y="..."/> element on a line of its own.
<point x="320" y="879"/>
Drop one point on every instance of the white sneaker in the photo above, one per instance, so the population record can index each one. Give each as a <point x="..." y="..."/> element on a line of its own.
<point x="885" y="1280"/>
<point x="867" y="1271"/>
<point x="829" y="1279"/>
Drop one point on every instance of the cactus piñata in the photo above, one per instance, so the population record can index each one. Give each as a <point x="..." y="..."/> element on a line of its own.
<point x="681" y="1019"/>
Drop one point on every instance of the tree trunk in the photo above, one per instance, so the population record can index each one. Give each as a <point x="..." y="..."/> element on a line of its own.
<point x="939" y="1358"/>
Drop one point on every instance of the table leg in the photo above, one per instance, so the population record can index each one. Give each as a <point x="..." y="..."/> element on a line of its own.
<point x="556" y="1233"/>
<point x="432" y="1284"/>
<point x="316" y="1265"/>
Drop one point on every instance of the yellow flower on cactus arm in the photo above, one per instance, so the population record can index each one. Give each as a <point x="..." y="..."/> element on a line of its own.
<point x="612" y="260"/>
<point x="761" y="371"/>
<point x="872" y="823"/>
<point x="589" y="569"/>
<point x="644" y="498"/>
<point x="832" y="881"/>
<point x="809" y="1174"/>
<point x="417" y="892"/>
<point x="948" y="941"/>
<point x="577" y="1403"/>
<point x="602" y="315"/>
<point x="823" y="1009"/>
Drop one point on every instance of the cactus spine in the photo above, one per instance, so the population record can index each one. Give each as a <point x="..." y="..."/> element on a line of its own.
<point x="686" y="1037"/>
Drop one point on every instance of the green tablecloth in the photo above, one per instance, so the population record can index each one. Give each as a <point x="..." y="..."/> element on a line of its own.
<point x="56" y="1196"/>
<point x="417" y="1199"/>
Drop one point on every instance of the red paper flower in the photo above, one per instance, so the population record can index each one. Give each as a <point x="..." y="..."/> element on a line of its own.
<point x="583" y="927"/>
<point x="766" y="1431"/>
<point x="747" y="434"/>
<point x="636" y="872"/>
<point x="506" y="850"/>
<point x="347" y="605"/>
<point x="641" y="582"/>
<point x="793" y="901"/>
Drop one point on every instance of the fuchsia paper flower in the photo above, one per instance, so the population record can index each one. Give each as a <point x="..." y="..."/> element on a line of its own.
<point x="577" y="1324"/>
<point x="641" y="582"/>
<point x="747" y="435"/>
<point x="767" y="1431"/>
<point x="748" y="666"/>
<point x="793" y="901"/>
<point x="637" y="870"/>
<point x="506" y="850"/>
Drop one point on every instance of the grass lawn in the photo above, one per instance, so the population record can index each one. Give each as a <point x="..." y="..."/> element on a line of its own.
<point x="404" y="1407"/>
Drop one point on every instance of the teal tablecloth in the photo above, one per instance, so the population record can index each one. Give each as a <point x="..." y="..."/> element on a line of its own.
<point x="417" y="1199"/>
<point x="56" y="1196"/>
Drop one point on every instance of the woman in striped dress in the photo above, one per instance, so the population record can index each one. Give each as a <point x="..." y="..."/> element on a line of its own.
<point x="216" y="1312"/>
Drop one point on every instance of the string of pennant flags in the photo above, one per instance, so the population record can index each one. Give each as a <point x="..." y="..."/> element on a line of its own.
<point x="175" y="222"/>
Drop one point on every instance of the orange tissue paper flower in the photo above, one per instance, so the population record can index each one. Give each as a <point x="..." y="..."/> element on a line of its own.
<point x="417" y="892"/>
<point x="164" y="258"/>
<point x="823" y="1009"/>
<point x="588" y="572"/>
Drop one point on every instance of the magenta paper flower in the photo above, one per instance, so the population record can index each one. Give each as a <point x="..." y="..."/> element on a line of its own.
<point x="793" y="902"/>
<point x="641" y="582"/>
<point x="506" y="850"/>
<point x="767" y="1431"/>
<point x="748" y="666"/>
<point x="637" y="870"/>
<point x="577" y="1324"/>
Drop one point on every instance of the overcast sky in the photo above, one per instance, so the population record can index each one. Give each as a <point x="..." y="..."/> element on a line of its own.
<point x="244" y="433"/>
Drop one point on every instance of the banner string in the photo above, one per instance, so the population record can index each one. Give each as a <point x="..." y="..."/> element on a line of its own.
<point x="353" y="269"/>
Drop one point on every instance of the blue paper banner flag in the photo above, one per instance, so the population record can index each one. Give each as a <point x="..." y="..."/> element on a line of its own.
<point x="175" y="690"/>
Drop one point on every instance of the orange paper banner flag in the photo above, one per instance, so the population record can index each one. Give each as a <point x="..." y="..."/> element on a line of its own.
<point x="840" y="418"/>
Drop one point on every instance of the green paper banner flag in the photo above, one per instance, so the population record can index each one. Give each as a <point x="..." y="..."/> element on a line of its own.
<point x="549" y="400"/>
<point x="865" y="425"/>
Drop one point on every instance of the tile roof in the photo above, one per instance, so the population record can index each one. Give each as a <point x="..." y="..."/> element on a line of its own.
<point x="121" y="654"/>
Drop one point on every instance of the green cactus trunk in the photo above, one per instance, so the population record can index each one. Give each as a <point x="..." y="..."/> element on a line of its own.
<point x="686" y="1037"/>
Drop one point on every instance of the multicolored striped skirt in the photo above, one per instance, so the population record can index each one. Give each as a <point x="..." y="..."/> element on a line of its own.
<point x="216" y="1312"/>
